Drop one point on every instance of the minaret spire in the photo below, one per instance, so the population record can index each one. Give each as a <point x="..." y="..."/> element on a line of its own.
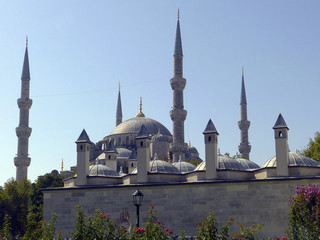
<point x="23" y="131"/>
<point x="178" y="114"/>
<point x="119" y="109"/>
<point x="244" y="124"/>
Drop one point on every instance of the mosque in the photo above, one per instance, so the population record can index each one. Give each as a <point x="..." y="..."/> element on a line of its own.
<point x="141" y="153"/>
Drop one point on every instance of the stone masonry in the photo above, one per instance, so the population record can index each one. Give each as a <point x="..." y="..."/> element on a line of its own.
<point x="183" y="206"/>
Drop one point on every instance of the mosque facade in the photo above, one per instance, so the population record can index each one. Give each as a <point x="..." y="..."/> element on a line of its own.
<point x="141" y="153"/>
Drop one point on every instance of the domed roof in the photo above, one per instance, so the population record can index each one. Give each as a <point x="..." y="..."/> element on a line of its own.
<point x="101" y="170"/>
<point x="133" y="125"/>
<point x="247" y="164"/>
<point x="225" y="163"/>
<point x="160" y="138"/>
<point x="295" y="159"/>
<point x="123" y="152"/>
<point x="159" y="166"/>
<point x="192" y="149"/>
<point x="184" y="167"/>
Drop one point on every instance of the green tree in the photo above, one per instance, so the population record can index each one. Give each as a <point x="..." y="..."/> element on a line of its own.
<point x="14" y="199"/>
<point x="313" y="148"/>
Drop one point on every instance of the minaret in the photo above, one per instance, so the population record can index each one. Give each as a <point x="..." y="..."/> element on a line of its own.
<point x="244" y="124"/>
<point x="23" y="131"/>
<point x="178" y="114"/>
<point x="119" y="109"/>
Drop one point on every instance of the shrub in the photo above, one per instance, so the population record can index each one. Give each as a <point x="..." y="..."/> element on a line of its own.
<point x="304" y="217"/>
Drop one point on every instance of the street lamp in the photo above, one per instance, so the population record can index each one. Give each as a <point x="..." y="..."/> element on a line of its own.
<point x="137" y="201"/>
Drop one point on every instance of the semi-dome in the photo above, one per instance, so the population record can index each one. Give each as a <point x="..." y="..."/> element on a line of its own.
<point x="247" y="164"/>
<point x="225" y="163"/>
<point x="160" y="138"/>
<point x="159" y="166"/>
<point x="101" y="170"/>
<point x="133" y="125"/>
<point x="192" y="149"/>
<point x="123" y="152"/>
<point x="184" y="167"/>
<point x="295" y="159"/>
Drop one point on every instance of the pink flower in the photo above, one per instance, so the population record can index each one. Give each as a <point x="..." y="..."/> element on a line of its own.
<point x="158" y="223"/>
<point x="170" y="232"/>
<point x="283" y="238"/>
<point x="104" y="217"/>
<point x="138" y="230"/>
<point x="166" y="229"/>
<point x="108" y="215"/>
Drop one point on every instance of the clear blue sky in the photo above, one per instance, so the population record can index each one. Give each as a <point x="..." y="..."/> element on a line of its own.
<point x="80" y="50"/>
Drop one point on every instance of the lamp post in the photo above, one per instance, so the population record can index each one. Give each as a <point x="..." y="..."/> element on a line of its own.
<point x="137" y="201"/>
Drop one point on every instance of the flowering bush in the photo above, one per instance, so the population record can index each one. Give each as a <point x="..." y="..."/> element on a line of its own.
<point x="153" y="229"/>
<point x="304" y="218"/>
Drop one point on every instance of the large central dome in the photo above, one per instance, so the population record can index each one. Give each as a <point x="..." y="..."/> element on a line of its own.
<point x="133" y="125"/>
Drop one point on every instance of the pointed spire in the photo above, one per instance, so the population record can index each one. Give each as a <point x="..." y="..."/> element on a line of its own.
<point x="111" y="148"/>
<point x="243" y="99"/>
<point x="140" y="113"/>
<point x="119" y="109"/>
<point x="210" y="128"/>
<point x="280" y="123"/>
<point x="83" y="137"/>
<point x="62" y="165"/>
<point x="178" y="44"/>
<point x="25" y="70"/>
<point x="143" y="133"/>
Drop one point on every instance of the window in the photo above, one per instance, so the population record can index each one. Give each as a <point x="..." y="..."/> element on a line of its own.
<point x="209" y="139"/>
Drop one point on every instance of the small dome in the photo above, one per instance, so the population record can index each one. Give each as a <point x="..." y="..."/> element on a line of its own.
<point x="159" y="166"/>
<point x="123" y="152"/>
<point x="247" y="164"/>
<point x="295" y="159"/>
<point x="101" y="170"/>
<point x="225" y="163"/>
<point x="184" y="167"/>
<point x="192" y="149"/>
<point x="160" y="138"/>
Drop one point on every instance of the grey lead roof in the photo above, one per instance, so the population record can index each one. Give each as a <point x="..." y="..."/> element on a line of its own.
<point x="143" y="133"/>
<point x="83" y="137"/>
<point x="295" y="159"/>
<point x="280" y="123"/>
<point x="111" y="148"/>
<point x="210" y="128"/>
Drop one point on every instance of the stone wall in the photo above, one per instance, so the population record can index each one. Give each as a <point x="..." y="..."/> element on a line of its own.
<point x="183" y="206"/>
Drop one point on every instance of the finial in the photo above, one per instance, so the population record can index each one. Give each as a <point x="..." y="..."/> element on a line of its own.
<point x="155" y="156"/>
<point x="178" y="13"/>
<point x="140" y="113"/>
<point x="119" y="86"/>
<point x="26" y="41"/>
<point x="242" y="71"/>
<point x="169" y="160"/>
<point x="180" y="158"/>
<point x="158" y="130"/>
<point x="189" y="143"/>
<point x="62" y="165"/>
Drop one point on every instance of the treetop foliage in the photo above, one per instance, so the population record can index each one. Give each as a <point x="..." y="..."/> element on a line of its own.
<point x="313" y="148"/>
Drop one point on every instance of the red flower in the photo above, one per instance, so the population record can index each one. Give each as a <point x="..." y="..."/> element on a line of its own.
<point x="207" y="227"/>
<point x="170" y="232"/>
<point x="104" y="217"/>
<point x="108" y="215"/>
<point x="166" y="229"/>
<point x="138" y="230"/>
<point x="158" y="223"/>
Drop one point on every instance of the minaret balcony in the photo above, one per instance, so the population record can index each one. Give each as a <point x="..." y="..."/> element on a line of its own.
<point x="24" y="103"/>
<point x="178" y="114"/>
<point x="23" y="131"/>
<point x="178" y="83"/>
<point x="22" y="161"/>
<point x="244" y="124"/>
